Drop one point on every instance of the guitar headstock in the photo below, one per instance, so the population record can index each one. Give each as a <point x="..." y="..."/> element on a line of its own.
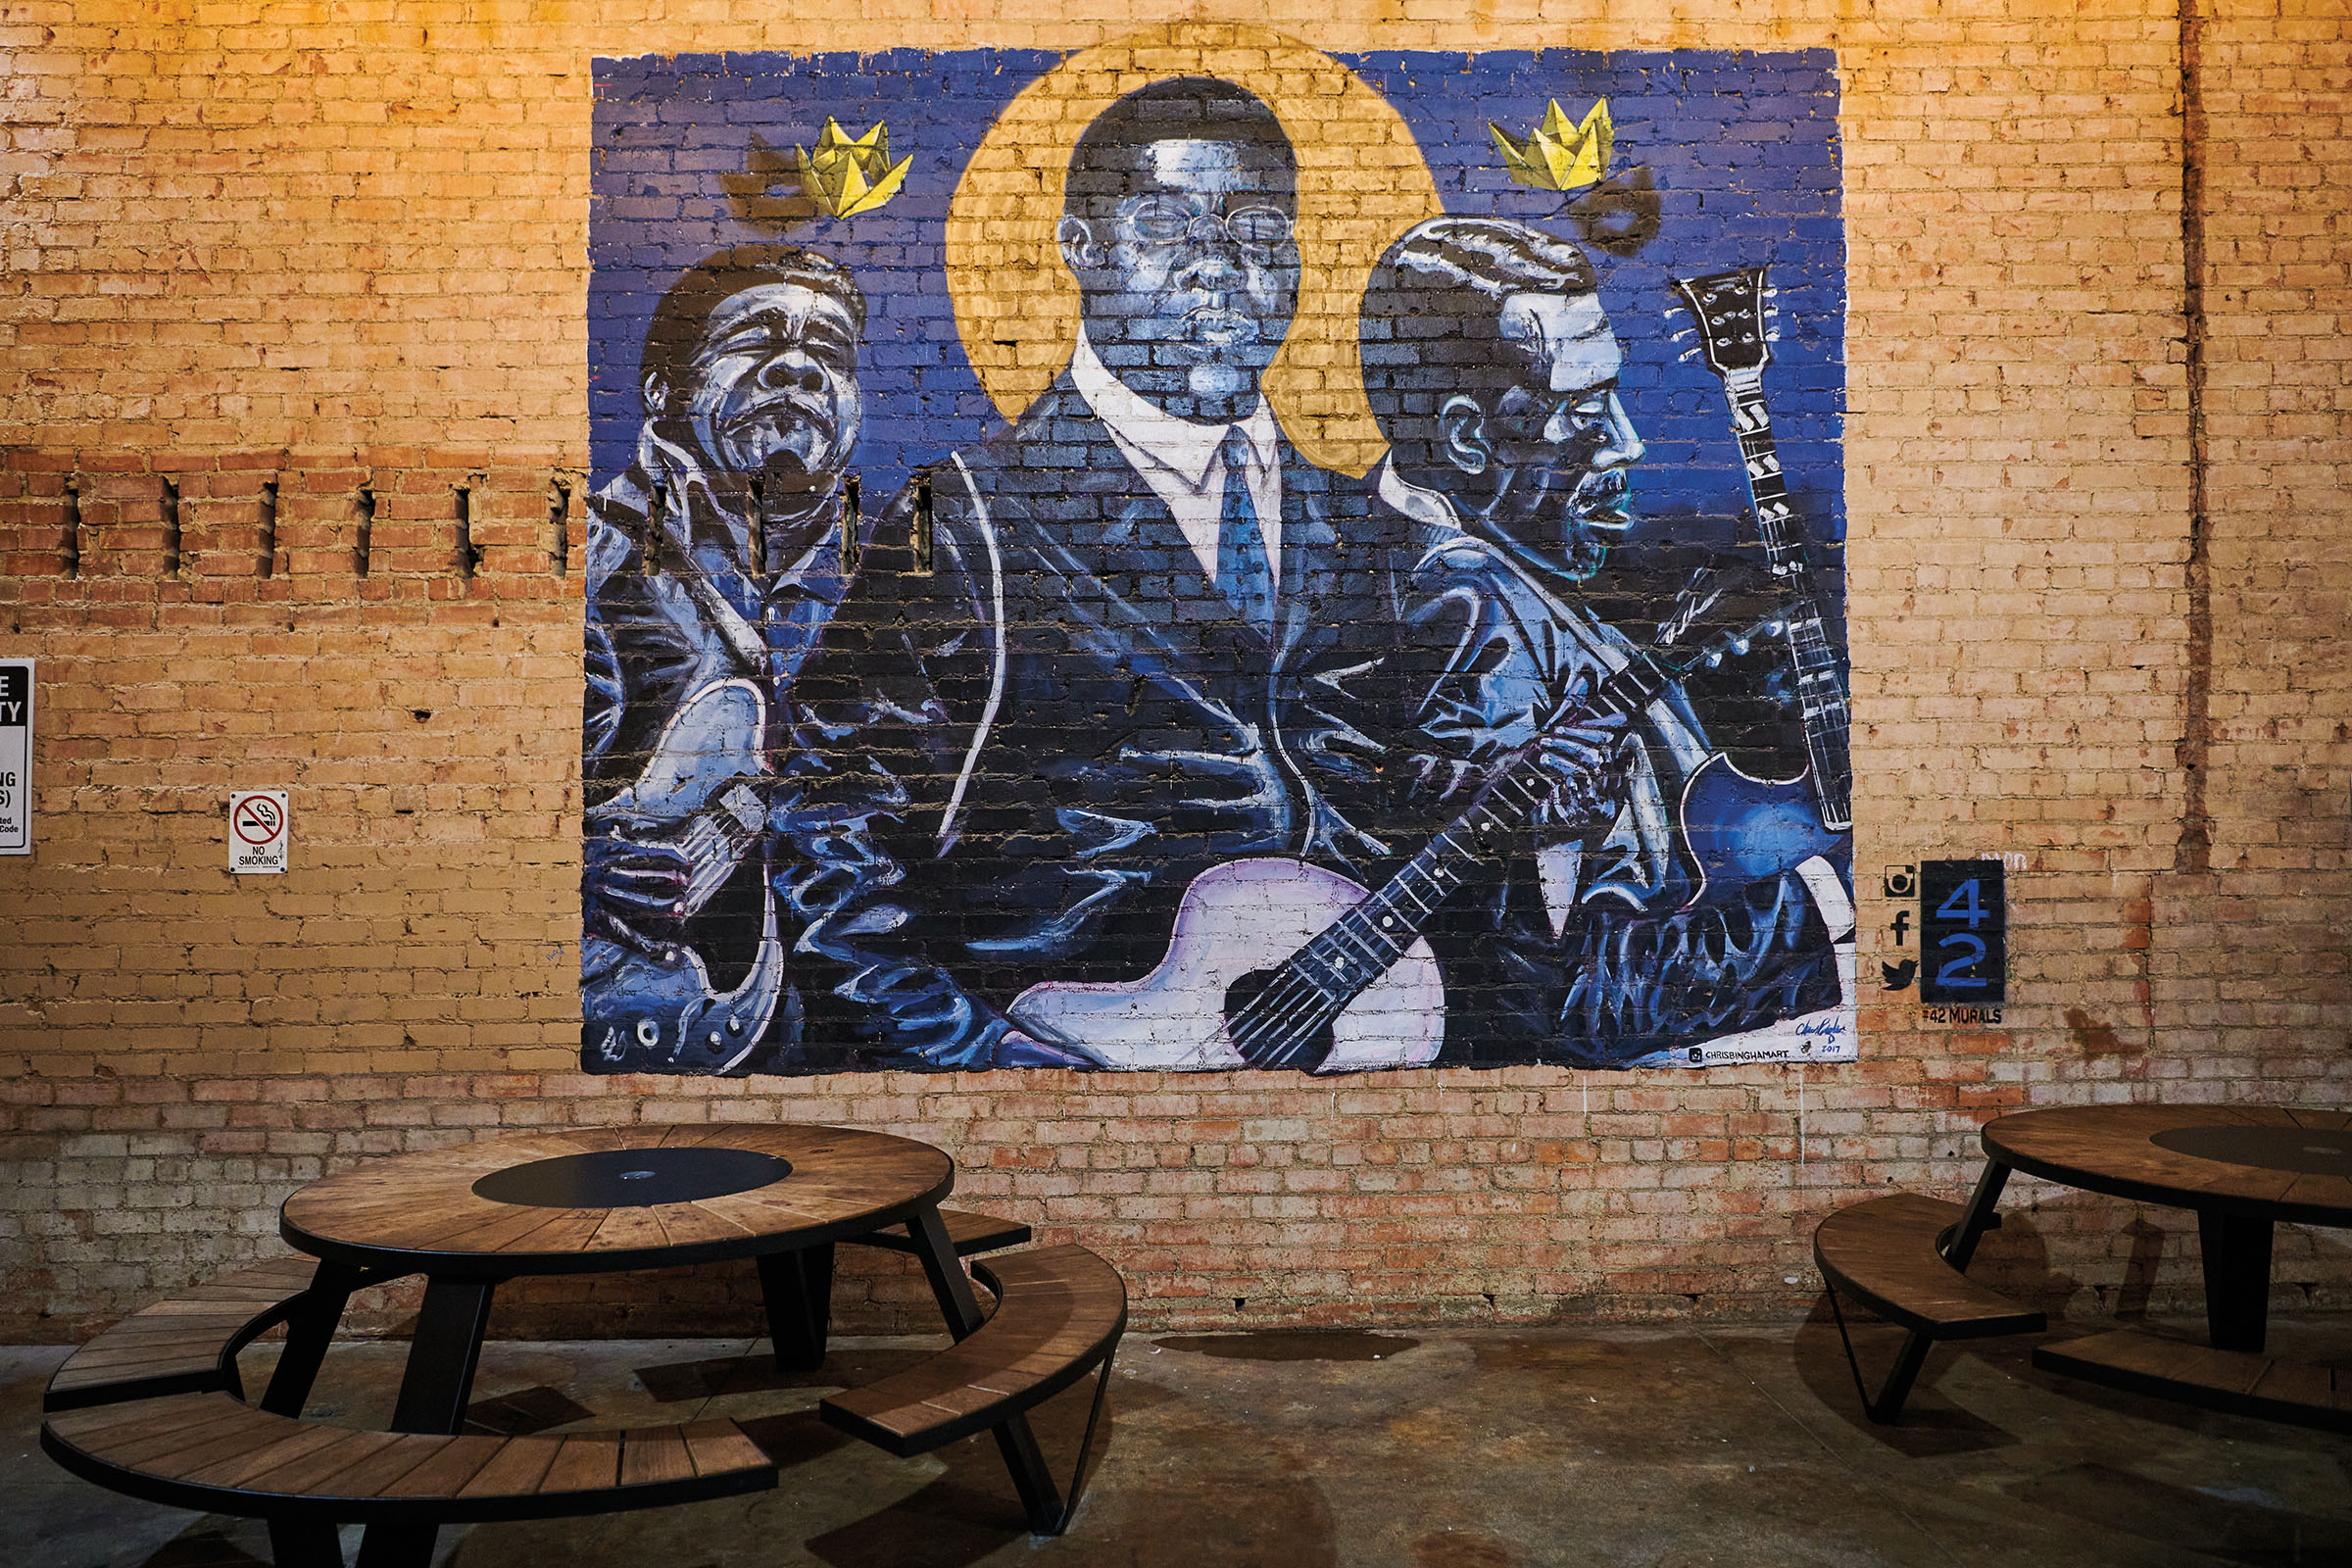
<point x="1732" y="315"/>
<point x="1712" y="653"/>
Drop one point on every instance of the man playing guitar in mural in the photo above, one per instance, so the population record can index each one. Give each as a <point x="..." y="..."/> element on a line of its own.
<point x="711" y="569"/>
<point x="1155" y="641"/>
<point x="1602" y="939"/>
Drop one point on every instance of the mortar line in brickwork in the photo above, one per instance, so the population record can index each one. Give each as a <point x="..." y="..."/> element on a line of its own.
<point x="2193" y="854"/>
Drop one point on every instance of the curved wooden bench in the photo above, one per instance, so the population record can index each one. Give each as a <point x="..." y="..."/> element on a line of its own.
<point x="1060" y="1314"/>
<point x="183" y="1345"/>
<point x="1888" y="1253"/>
<point x="2239" y="1381"/>
<point x="153" y="1409"/>
<point x="214" y="1452"/>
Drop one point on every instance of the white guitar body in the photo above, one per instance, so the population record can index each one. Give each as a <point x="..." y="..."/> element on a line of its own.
<point x="1236" y="918"/>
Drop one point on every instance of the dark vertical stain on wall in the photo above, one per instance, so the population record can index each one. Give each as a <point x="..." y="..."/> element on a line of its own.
<point x="269" y="539"/>
<point x="173" y="561"/>
<point x="73" y="530"/>
<point x="2194" y="852"/>
<point x="558" y="523"/>
<point x="470" y="553"/>
<point x="366" y="527"/>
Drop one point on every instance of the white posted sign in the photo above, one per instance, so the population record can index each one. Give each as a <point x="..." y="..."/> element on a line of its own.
<point x="257" y="831"/>
<point x="16" y="756"/>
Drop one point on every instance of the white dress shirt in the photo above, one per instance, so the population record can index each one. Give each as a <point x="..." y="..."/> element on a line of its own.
<point x="1180" y="460"/>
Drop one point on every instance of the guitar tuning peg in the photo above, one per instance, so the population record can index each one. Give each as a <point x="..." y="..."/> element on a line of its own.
<point x="1687" y="355"/>
<point x="1772" y="337"/>
<point x="1684" y="336"/>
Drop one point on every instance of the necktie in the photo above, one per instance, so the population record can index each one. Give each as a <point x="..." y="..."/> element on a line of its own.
<point x="1241" y="572"/>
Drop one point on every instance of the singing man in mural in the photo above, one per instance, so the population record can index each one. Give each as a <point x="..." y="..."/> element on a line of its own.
<point x="1157" y="641"/>
<point x="1491" y="370"/>
<point x="711" y="570"/>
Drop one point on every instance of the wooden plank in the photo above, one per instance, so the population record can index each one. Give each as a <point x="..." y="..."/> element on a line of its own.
<point x="589" y="1461"/>
<point x="445" y="1473"/>
<point x="99" y="1356"/>
<point x="171" y="1413"/>
<point x="719" y="1447"/>
<point x="301" y="1439"/>
<point x="2297" y="1383"/>
<point x="314" y="1474"/>
<point x="628" y="1230"/>
<point x="399" y="1453"/>
<point x="517" y="1471"/>
<point x="689" y="1224"/>
<point x="176" y="1453"/>
<point x="651" y="1455"/>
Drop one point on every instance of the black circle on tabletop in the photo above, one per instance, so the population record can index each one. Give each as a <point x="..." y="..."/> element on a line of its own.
<point x="632" y="1178"/>
<point x="2290" y="1149"/>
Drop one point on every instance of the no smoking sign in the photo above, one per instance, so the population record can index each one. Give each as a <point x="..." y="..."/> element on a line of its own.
<point x="257" y="831"/>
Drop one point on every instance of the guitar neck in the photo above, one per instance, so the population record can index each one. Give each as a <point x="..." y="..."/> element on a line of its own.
<point x="1358" y="948"/>
<point x="1821" y="691"/>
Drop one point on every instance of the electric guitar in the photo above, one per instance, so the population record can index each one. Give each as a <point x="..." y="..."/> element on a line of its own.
<point x="1734" y="337"/>
<point x="702" y="794"/>
<point x="1360" y="987"/>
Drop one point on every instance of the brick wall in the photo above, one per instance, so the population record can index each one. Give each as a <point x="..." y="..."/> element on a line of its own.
<point x="312" y="271"/>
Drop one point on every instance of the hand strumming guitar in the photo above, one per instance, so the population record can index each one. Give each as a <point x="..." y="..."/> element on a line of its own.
<point x="1584" y="763"/>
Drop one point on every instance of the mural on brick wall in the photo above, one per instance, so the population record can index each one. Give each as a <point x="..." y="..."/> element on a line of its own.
<point x="1202" y="553"/>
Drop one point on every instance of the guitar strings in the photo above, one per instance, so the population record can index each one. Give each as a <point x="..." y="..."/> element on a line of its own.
<point x="1279" y="1007"/>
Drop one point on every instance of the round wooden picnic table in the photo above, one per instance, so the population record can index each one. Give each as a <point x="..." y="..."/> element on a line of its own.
<point x="601" y="1201"/>
<point x="2241" y="1167"/>
<point x="604" y="1199"/>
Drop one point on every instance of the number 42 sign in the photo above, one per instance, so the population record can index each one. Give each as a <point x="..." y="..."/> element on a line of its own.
<point x="1963" y="932"/>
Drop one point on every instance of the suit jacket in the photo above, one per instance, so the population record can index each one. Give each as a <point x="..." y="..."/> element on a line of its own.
<point x="1010" y="769"/>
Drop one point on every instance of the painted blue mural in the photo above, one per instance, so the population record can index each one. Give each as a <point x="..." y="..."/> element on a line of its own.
<point x="1333" y="564"/>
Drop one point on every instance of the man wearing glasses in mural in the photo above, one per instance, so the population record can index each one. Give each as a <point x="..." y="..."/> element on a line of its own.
<point x="711" y="569"/>
<point x="1511" y="453"/>
<point x="1156" y="640"/>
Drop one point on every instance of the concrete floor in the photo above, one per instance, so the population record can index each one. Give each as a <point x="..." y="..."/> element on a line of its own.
<point x="1433" y="1448"/>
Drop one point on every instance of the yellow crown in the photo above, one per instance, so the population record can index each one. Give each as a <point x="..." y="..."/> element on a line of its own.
<point x="845" y="176"/>
<point x="1556" y="155"/>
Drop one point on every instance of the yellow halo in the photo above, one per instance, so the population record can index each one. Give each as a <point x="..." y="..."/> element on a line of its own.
<point x="1362" y="181"/>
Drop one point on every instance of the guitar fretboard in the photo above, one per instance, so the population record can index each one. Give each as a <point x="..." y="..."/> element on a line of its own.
<point x="1360" y="946"/>
<point x="1821" y="689"/>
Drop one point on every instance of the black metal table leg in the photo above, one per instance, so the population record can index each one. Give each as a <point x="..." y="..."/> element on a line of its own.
<point x="1041" y="1499"/>
<point x="304" y="1544"/>
<point x="310" y="1329"/>
<point x="433" y="1392"/>
<point x="797" y="1288"/>
<point x="2237" y="1252"/>
<point x="1979" y="1217"/>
